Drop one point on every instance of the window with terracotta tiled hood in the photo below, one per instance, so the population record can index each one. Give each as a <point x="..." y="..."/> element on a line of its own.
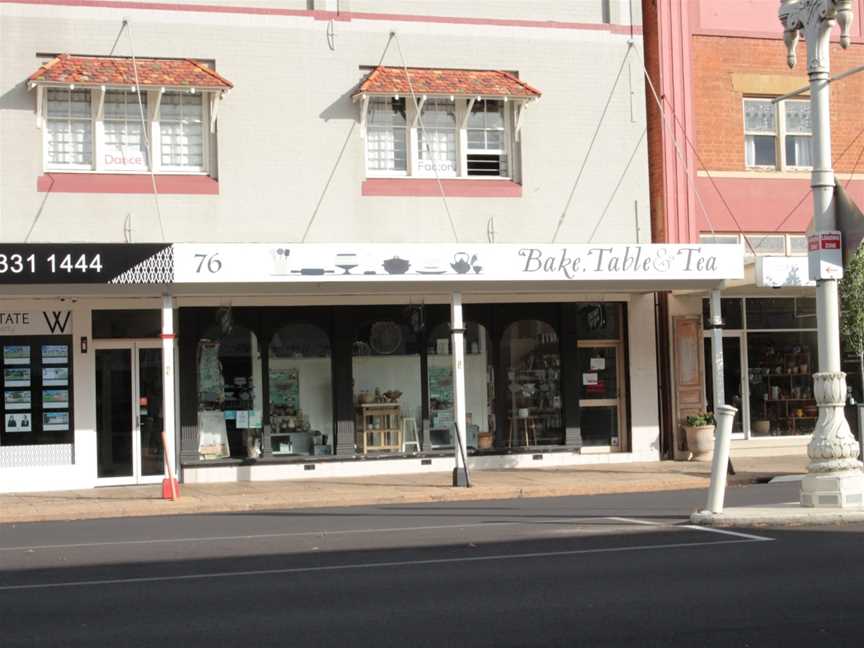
<point x="442" y="124"/>
<point x="113" y="115"/>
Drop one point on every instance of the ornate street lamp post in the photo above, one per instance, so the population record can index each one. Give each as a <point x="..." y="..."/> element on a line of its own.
<point x="835" y="477"/>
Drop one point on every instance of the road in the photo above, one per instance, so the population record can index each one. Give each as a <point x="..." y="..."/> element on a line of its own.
<point x="617" y="570"/>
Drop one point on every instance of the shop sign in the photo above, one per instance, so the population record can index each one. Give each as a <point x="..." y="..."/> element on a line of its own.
<point x="782" y="272"/>
<point x="180" y="263"/>
<point x="38" y="322"/>
<point x="825" y="255"/>
<point x="316" y="263"/>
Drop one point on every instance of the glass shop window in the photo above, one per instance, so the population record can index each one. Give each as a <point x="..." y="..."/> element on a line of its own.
<point x="479" y="387"/>
<point x="300" y="391"/>
<point x="229" y="393"/>
<point x="781" y="313"/>
<point x="531" y="358"/>
<point x="386" y="370"/>
<point x="780" y="368"/>
<point x="37" y="404"/>
<point x="730" y="312"/>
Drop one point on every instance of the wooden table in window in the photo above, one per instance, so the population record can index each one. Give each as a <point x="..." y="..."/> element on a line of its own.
<point x="378" y="427"/>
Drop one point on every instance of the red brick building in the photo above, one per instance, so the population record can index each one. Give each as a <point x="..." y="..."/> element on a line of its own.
<point x="727" y="164"/>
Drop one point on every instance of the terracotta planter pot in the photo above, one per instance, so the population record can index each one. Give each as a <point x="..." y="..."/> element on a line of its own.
<point x="700" y="441"/>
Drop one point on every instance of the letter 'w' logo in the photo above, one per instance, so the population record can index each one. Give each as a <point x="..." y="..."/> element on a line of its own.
<point x="56" y="322"/>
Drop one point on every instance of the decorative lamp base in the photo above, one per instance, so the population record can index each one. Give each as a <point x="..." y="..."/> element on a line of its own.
<point x="833" y="490"/>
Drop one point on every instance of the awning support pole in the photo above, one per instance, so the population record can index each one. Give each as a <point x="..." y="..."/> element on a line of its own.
<point x="460" y="471"/>
<point x="170" y="489"/>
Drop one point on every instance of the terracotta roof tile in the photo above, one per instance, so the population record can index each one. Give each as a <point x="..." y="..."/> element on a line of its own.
<point x="106" y="70"/>
<point x="489" y="83"/>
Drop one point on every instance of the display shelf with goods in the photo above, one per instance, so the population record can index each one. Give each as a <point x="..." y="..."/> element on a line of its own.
<point x="378" y="427"/>
<point x="782" y="383"/>
<point x="535" y="398"/>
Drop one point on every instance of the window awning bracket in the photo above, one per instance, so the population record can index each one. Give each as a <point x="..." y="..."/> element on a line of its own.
<point x="468" y="111"/>
<point x="418" y="112"/>
<point x="364" y="112"/>
<point x="40" y="94"/>
<point x="520" y="112"/>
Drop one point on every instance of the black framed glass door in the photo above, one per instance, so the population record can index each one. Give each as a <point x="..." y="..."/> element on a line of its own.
<point x="129" y="413"/>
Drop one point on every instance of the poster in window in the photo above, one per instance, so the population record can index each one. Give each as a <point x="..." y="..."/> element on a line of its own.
<point x="16" y="376"/>
<point x="19" y="422"/>
<point x="55" y="376"/>
<point x="16" y="354"/>
<point x="285" y="389"/>
<point x="55" y="421"/>
<point x="17" y="400"/>
<point x="55" y="354"/>
<point x="598" y="364"/>
<point x="55" y="398"/>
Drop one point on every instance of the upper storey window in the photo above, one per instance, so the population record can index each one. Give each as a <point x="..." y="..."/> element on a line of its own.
<point x="442" y="123"/>
<point x="777" y="136"/>
<point x="95" y="117"/>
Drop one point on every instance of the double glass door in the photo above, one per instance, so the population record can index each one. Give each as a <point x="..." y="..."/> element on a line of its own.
<point x="129" y="411"/>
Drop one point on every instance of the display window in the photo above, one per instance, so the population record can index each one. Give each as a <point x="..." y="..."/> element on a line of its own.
<point x="479" y="387"/>
<point x="769" y="357"/>
<point x="531" y="360"/>
<point x="300" y="391"/>
<point x="387" y="392"/>
<point x="229" y="392"/>
<point x="37" y="403"/>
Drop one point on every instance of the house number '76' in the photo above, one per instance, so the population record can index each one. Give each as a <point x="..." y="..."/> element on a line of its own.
<point x="209" y="262"/>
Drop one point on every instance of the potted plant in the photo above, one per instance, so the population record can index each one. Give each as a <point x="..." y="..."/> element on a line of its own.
<point x="700" y="435"/>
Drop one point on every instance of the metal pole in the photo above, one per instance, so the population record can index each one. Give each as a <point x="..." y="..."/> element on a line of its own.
<point x="834" y="476"/>
<point x="169" y="434"/>
<point x="722" y="430"/>
<point x="460" y="475"/>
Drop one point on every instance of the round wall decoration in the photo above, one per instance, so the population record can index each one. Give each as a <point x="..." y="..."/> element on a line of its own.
<point x="385" y="337"/>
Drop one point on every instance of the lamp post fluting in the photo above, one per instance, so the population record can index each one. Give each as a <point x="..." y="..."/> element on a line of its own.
<point x="835" y="478"/>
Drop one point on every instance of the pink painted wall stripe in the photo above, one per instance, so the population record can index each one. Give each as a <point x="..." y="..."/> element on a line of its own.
<point x="115" y="183"/>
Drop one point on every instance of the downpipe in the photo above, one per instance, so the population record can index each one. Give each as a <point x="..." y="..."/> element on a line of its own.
<point x="724" y="415"/>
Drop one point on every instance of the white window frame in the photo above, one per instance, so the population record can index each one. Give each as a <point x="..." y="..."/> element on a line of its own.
<point x="392" y="173"/>
<point x="71" y="168"/>
<point x="463" y="104"/>
<point x="779" y="133"/>
<point x="152" y="128"/>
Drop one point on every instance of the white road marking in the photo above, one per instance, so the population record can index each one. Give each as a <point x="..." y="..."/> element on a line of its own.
<point x="737" y="534"/>
<point x="782" y="479"/>
<point x="635" y="521"/>
<point x="375" y="565"/>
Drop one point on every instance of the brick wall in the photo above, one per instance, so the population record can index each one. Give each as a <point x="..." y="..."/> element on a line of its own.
<point x="718" y="107"/>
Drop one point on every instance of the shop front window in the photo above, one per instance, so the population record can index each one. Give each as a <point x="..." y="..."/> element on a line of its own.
<point x="531" y="359"/>
<point x="479" y="394"/>
<point x="37" y="392"/>
<point x="300" y="391"/>
<point x="386" y="370"/>
<point x="781" y="364"/>
<point x="229" y="393"/>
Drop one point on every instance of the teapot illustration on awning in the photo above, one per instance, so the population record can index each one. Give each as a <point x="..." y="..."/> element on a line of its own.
<point x="462" y="262"/>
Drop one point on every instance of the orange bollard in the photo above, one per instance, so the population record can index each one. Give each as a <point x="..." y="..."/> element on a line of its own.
<point x="170" y="487"/>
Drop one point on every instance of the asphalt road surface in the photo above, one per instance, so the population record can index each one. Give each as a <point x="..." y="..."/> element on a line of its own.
<point x="617" y="570"/>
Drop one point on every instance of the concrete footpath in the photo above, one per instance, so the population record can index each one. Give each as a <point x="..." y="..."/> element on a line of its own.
<point x="430" y="487"/>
